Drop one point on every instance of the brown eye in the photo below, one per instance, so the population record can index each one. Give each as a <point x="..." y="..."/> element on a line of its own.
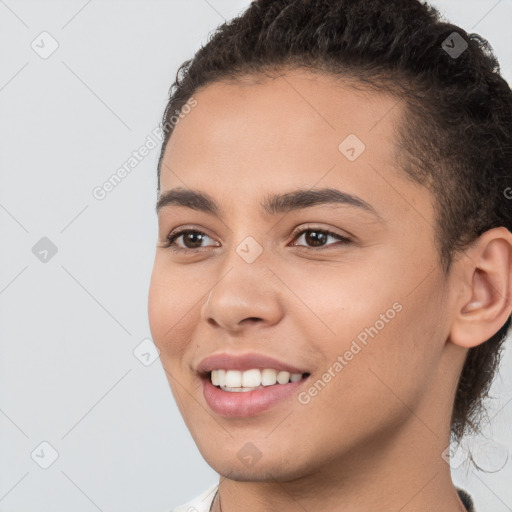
<point x="315" y="238"/>
<point x="191" y="240"/>
<point x="318" y="237"/>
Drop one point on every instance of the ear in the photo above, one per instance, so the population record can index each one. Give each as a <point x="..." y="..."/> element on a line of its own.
<point x="484" y="277"/>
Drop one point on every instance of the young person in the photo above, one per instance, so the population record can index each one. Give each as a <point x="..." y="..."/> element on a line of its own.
<point x="332" y="282"/>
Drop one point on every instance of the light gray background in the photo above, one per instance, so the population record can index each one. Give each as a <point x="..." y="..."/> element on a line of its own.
<point x="68" y="375"/>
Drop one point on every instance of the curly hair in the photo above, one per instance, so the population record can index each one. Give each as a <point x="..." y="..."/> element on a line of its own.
<point x="456" y="139"/>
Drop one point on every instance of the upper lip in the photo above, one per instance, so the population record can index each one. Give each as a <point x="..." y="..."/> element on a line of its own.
<point x="244" y="362"/>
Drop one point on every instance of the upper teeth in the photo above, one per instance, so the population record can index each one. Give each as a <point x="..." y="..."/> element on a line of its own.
<point x="252" y="378"/>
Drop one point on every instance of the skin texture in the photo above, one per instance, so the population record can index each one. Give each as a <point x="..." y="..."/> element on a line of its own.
<point x="372" y="439"/>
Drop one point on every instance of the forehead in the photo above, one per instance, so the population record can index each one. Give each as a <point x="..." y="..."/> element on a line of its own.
<point x="249" y="137"/>
<point x="284" y="113"/>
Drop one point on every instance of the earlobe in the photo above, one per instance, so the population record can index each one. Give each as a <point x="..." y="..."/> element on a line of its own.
<point x="485" y="274"/>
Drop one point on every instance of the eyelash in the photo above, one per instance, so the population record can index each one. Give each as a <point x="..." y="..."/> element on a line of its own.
<point x="173" y="236"/>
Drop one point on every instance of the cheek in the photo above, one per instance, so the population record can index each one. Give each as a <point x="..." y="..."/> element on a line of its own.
<point x="385" y="334"/>
<point x="167" y="306"/>
<point x="341" y="300"/>
<point x="157" y="302"/>
<point x="174" y="301"/>
<point x="399" y="354"/>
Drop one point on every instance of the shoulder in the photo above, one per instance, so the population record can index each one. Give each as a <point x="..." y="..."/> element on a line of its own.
<point x="201" y="503"/>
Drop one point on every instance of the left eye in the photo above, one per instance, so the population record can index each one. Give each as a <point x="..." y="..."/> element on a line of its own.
<point x="317" y="237"/>
<point x="192" y="239"/>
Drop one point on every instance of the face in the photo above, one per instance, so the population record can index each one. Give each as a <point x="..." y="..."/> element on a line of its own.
<point x="345" y="286"/>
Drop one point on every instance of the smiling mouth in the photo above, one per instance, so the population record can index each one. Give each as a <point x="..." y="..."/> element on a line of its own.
<point x="237" y="381"/>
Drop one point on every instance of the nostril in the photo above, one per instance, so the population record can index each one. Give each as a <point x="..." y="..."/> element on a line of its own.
<point x="252" y="319"/>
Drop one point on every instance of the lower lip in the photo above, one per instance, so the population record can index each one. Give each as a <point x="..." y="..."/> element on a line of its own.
<point x="246" y="403"/>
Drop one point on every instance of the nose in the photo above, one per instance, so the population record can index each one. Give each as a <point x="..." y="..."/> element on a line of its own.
<point x="246" y="294"/>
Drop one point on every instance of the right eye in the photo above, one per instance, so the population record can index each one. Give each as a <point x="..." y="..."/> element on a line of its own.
<point x="190" y="240"/>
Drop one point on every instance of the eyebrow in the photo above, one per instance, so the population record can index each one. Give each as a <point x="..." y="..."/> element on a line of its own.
<point x="272" y="204"/>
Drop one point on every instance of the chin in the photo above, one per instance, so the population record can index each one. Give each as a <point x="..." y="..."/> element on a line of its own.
<point x="266" y="469"/>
